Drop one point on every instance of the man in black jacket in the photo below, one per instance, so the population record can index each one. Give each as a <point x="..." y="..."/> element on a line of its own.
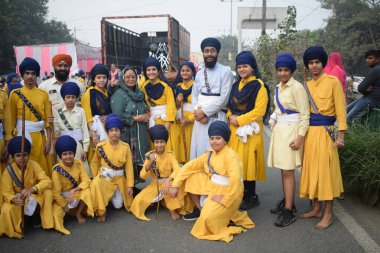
<point x="369" y="87"/>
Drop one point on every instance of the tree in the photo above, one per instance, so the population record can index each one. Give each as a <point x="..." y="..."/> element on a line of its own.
<point x="229" y="50"/>
<point x="23" y="22"/>
<point x="353" y="29"/>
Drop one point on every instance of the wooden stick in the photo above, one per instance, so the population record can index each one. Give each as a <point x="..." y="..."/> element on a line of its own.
<point x="23" y="167"/>
<point x="51" y="123"/>
<point x="183" y="132"/>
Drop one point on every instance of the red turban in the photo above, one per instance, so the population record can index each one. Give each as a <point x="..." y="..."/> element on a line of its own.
<point x="62" y="57"/>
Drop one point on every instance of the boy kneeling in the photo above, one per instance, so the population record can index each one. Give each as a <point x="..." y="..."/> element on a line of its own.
<point x="71" y="185"/>
<point x="162" y="166"/>
<point x="32" y="194"/>
<point x="113" y="171"/>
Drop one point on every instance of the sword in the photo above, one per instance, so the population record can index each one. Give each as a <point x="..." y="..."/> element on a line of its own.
<point x="155" y="172"/>
<point x="183" y="133"/>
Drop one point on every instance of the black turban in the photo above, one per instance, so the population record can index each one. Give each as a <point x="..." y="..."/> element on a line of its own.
<point x="315" y="53"/>
<point x="219" y="128"/>
<point x="14" y="146"/>
<point x="159" y="132"/>
<point x="65" y="143"/>
<point x="211" y="42"/>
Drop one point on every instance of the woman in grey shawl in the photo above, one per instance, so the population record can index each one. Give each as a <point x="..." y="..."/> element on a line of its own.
<point x="128" y="103"/>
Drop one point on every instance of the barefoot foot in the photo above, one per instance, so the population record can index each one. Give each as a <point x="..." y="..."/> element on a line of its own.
<point x="101" y="219"/>
<point x="311" y="214"/>
<point x="324" y="223"/>
<point x="175" y="215"/>
<point x="81" y="219"/>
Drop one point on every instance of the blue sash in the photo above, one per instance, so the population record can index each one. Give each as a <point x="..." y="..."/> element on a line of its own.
<point x="14" y="176"/>
<point x="29" y="105"/>
<point x="321" y="120"/>
<point x="105" y="158"/>
<point x="67" y="175"/>
<point x="282" y="109"/>
<point x="209" y="165"/>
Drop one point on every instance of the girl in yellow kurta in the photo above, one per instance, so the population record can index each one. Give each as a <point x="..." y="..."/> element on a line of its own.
<point x="96" y="104"/>
<point x="247" y="106"/>
<point x="321" y="179"/>
<point x="185" y="111"/>
<point x="165" y="164"/>
<point x="289" y="122"/>
<point x="223" y="187"/>
<point x="71" y="185"/>
<point x="36" y="188"/>
<point x="160" y="100"/>
<point x="39" y="99"/>
<point x="112" y="170"/>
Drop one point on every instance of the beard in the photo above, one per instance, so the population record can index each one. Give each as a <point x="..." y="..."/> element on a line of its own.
<point x="61" y="75"/>
<point x="210" y="64"/>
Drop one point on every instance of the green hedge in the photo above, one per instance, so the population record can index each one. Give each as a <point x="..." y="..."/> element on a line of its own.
<point x="360" y="162"/>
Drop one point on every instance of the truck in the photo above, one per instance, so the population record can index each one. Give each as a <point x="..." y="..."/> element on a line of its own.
<point x="123" y="46"/>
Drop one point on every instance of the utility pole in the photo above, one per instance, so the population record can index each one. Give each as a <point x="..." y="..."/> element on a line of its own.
<point x="263" y="26"/>
<point x="231" y="11"/>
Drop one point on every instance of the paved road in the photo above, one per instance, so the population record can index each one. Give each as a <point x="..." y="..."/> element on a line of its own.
<point x="357" y="232"/>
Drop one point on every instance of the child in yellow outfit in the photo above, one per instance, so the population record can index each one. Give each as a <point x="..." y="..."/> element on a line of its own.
<point x="71" y="185"/>
<point x="161" y="166"/>
<point x="222" y="189"/>
<point x="32" y="194"/>
<point x="112" y="170"/>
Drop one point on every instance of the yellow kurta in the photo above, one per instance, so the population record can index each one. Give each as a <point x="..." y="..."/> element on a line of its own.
<point x="40" y="101"/>
<point x="320" y="175"/>
<point x="168" y="167"/>
<point x="252" y="152"/>
<point x="214" y="219"/>
<point x="10" y="218"/>
<point x="86" y="105"/>
<point x="167" y="99"/>
<point x="292" y="96"/>
<point x="102" y="190"/>
<point x="61" y="184"/>
<point x="178" y="129"/>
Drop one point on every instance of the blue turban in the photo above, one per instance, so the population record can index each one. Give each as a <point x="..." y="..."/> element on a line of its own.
<point x="159" y="132"/>
<point x="65" y="143"/>
<point x="81" y="72"/>
<point x="315" y="53"/>
<point x="113" y="121"/>
<point x="286" y="60"/>
<point x="211" y="42"/>
<point x="99" y="69"/>
<point x="29" y="64"/>
<point x="149" y="62"/>
<point x="219" y="128"/>
<point x="179" y="78"/>
<point x="10" y="77"/>
<point x="70" y="88"/>
<point x="14" y="86"/>
<point x="14" y="145"/>
<point x="246" y="57"/>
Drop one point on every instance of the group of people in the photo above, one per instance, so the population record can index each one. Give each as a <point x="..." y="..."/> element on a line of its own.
<point x="107" y="136"/>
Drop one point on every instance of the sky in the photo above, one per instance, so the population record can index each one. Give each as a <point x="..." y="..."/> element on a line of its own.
<point x="202" y="18"/>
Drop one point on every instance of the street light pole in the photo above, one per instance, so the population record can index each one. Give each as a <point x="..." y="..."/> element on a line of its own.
<point x="231" y="11"/>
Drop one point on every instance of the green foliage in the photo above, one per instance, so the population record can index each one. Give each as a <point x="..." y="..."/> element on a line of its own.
<point x="24" y="22"/>
<point x="360" y="162"/>
<point x="229" y="50"/>
<point x="353" y="29"/>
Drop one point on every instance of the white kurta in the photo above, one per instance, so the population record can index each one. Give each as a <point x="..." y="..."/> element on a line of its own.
<point x="220" y="79"/>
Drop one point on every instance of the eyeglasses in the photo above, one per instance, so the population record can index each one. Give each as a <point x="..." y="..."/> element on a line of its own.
<point x="129" y="77"/>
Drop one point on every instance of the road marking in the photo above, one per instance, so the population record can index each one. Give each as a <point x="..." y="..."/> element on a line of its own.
<point x="353" y="227"/>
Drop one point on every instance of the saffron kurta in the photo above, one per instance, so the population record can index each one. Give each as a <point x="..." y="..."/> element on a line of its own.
<point x="86" y="105"/>
<point x="320" y="175"/>
<point x="168" y="167"/>
<point x="167" y="99"/>
<point x="251" y="153"/>
<point x="10" y="218"/>
<point x="188" y="114"/>
<point x="213" y="103"/>
<point x="40" y="101"/>
<point x="102" y="190"/>
<point x="62" y="184"/>
<point x="215" y="217"/>
<point x="292" y="96"/>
